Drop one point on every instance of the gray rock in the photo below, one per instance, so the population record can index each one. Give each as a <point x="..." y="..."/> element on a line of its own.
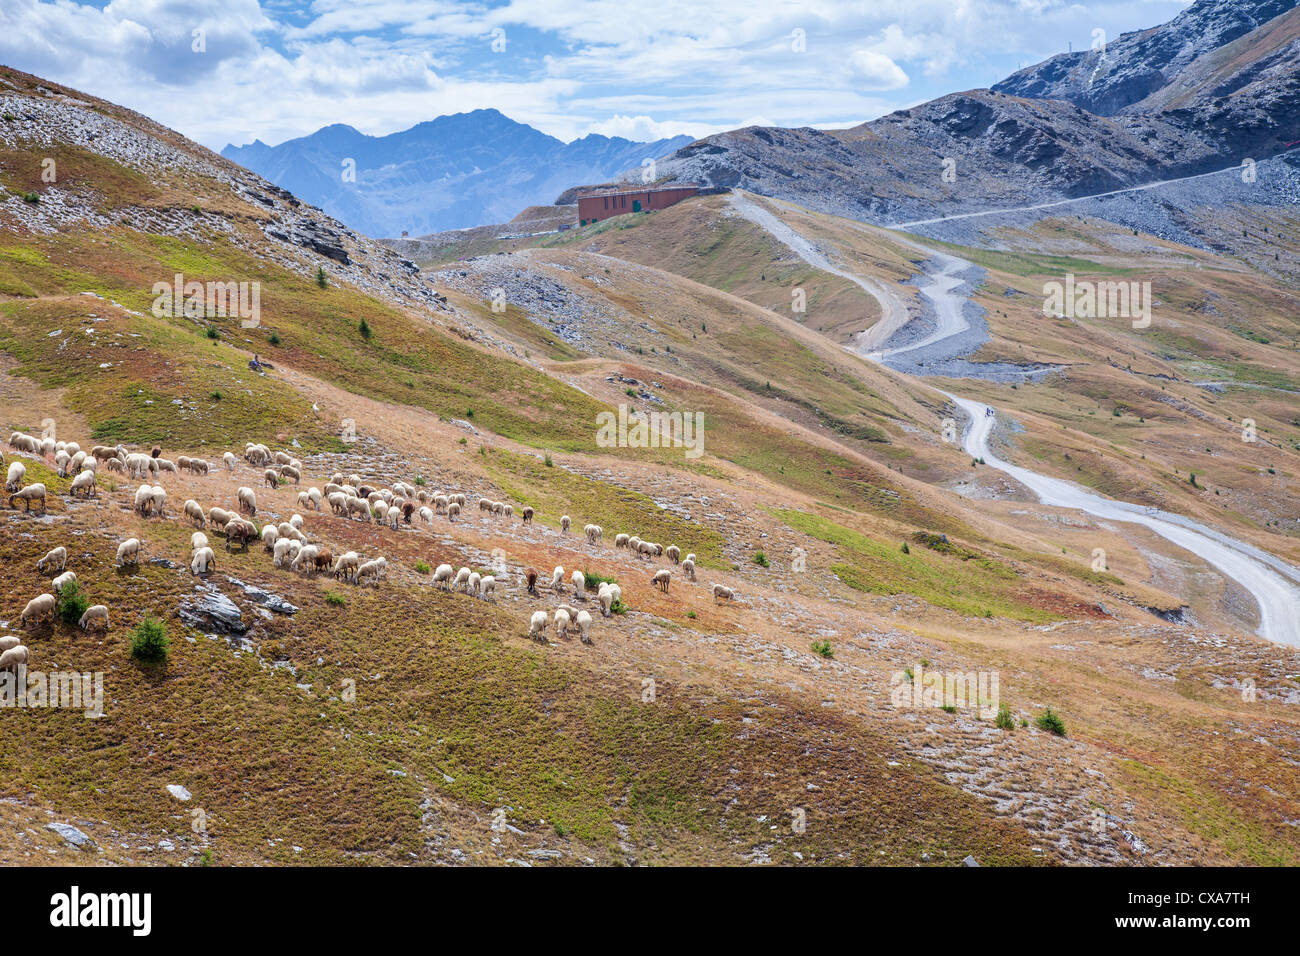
<point x="970" y="861"/>
<point x="179" y="792"/>
<point x="272" y="602"/>
<point x="212" y="612"/>
<point x="71" y="834"/>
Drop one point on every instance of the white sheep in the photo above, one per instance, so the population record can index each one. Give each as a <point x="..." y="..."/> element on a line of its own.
<point x="453" y="510"/>
<point x="593" y="532"/>
<point x="271" y="477"/>
<point x="584" y="625"/>
<point x="128" y="552"/>
<point x="95" y="614"/>
<point x="281" y="550"/>
<point x="688" y="565"/>
<point x="620" y="540"/>
<point x="194" y="512"/>
<point x="270" y="535"/>
<point x="373" y="569"/>
<point x="85" y="481"/>
<point x="247" y="500"/>
<point x="144" y="500"/>
<point x="346" y="565"/>
<point x="426" y="514"/>
<point x="33" y="492"/>
<point x="39" y="607"/>
<point x="55" y="558"/>
<point x="557" y="576"/>
<point x="8" y="642"/>
<point x="444" y="575"/>
<point x="660" y="580"/>
<point x="230" y="461"/>
<point x="198" y="540"/>
<point x="219" y="517"/>
<point x="561" y="623"/>
<point x="579" y="585"/>
<point x="565" y="521"/>
<point x="13" y="657"/>
<point x="203" y="561"/>
<point x="159" y="499"/>
<point x="62" y="580"/>
<point x="721" y="591"/>
<point x="471" y="586"/>
<point x="306" y="555"/>
<point x="462" y="578"/>
<point x="673" y="553"/>
<point x="487" y="585"/>
<point x="537" y="626"/>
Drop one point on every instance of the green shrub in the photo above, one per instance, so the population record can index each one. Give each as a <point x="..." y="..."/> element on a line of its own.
<point x="364" y="329"/>
<point x="31" y="197"/>
<point x="71" y="603"/>
<point x="823" y="648"/>
<point x="275" y="338"/>
<point x="550" y="464"/>
<point x="336" y="599"/>
<point x="323" y="282"/>
<point x="618" y="607"/>
<point x="761" y="559"/>
<point x="422" y="567"/>
<point x="149" y="641"/>
<point x="1004" y="719"/>
<point x="212" y="332"/>
<point x="594" y="580"/>
<point x="1051" y="722"/>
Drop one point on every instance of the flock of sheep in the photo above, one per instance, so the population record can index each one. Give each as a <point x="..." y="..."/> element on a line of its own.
<point x="348" y="497"/>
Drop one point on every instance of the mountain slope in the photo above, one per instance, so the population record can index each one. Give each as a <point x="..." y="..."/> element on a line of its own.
<point x="449" y="173"/>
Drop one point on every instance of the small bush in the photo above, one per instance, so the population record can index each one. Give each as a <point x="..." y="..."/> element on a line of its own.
<point x="322" y="281"/>
<point x="419" y="480"/>
<point x="823" y="648"/>
<point x="905" y="549"/>
<point x="215" y="396"/>
<point x="618" y="607"/>
<point x="31" y="197"/>
<point x="71" y="603"/>
<point x="464" y="441"/>
<point x="1004" y="720"/>
<point x="212" y="332"/>
<point x="949" y="709"/>
<point x="422" y="567"/>
<point x="1051" y="722"/>
<point x="550" y="464"/>
<point x="149" y="641"/>
<point x="275" y="338"/>
<point x="631" y="392"/>
<point x="594" y="580"/>
<point x="364" y="329"/>
<point x="691" y="615"/>
<point x="336" y="599"/>
<point x="761" y="560"/>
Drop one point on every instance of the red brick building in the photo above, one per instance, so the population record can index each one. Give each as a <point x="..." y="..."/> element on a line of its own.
<point x="593" y="207"/>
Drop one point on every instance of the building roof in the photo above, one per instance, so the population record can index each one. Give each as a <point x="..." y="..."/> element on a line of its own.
<point x="637" y="190"/>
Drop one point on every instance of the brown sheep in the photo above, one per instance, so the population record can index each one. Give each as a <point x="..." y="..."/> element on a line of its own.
<point x="323" y="560"/>
<point x="531" y="574"/>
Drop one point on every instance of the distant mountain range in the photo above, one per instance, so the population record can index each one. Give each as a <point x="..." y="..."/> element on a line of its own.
<point x="1218" y="84"/>
<point x="453" y="172"/>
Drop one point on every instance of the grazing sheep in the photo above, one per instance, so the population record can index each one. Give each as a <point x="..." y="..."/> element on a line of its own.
<point x="565" y="522"/>
<point x="78" y="463"/>
<point x="527" y="514"/>
<point x="487" y="585"/>
<point x="462" y="578"/>
<point x="380" y="511"/>
<point x="165" y="465"/>
<point x="29" y="494"/>
<point x="426" y="514"/>
<point x="346" y="564"/>
<point x="39" y="607"/>
<point x="289" y="471"/>
<point x="537" y="626"/>
<point x="723" y="592"/>
<point x="440" y="503"/>
<point x="645" y="549"/>
<point x="230" y="461"/>
<point x="63" y="580"/>
<point x="531" y="576"/>
<point x="241" y="531"/>
<point x="296" y="521"/>
<point x="498" y="508"/>
<point x="103" y="452"/>
<point x="271" y="477"/>
<point x="139" y="466"/>
<point x="561" y="623"/>
<point x="509" y="511"/>
<point x="128" y="552"/>
<point x="144" y="500"/>
<point x="9" y="642"/>
<point x="306" y="556"/>
<point x="459" y="499"/>
<point x="471" y="586"/>
<point x="689" y="567"/>
<point x="370" y="569"/>
<point x="660" y="580"/>
<point x="453" y="510"/>
<point x="219" y="517"/>
<point x="270" y="535"/>
<point x="322" y="561"/>
<point x="115" y="464"/>
<point x="54" y="557"/>
<point x="159" y="499"/>
<point x="198" y="540"/>
<point x="620" y="541"/>
<point x="358" y="506"/>
<point x="557" y="576"/>
<point x="584" y="626"/>
<point x="13" y="657"/>
<point x="95" y="614"/>
<point x="485" y="505"/>
<point x="673" y="553"/>
<point x="338" y="503"/>
<point x="304" y="499"/>
<point x="281" y="551"/>
<point x="247" y="500"/>
<point x="634" y="544"/>
<point x="443" y="575"/>
<point x="690" y="557"/>
<point x="579" y="586"/>
<point x="195" y="513"/>
<point x="84" y="482"/>
<point x="61" y="462"/>
<point x="608" y="594"/>
<point x="204" y="561"/>
<point x="593" y="532"/>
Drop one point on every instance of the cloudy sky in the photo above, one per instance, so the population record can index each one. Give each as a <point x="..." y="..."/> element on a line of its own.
<point x="224" y="71"/>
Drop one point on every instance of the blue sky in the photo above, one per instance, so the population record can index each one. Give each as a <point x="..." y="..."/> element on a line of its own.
<point x="276" y="69"/>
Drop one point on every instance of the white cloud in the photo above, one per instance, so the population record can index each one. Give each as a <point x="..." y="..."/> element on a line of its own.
<point x="876" y="71"/>
<point x="643" y="129"/>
